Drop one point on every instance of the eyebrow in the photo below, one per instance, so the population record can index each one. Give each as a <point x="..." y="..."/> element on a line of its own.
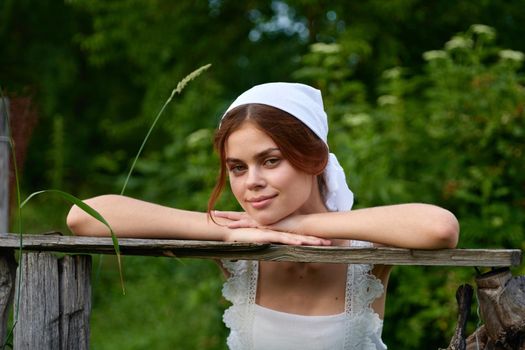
<point x="259" y="155"/>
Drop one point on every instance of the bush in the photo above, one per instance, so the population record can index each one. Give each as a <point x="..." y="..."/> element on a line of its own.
<point x="452" y="135"/>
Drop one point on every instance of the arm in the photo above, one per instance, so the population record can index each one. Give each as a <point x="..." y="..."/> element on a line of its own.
<point x="416" y="226"/>
<point x="134" y="218"/>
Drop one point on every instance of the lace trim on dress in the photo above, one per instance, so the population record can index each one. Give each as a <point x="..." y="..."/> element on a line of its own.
<point x="362" y="324"/>
<point x="240" y="289"/>
<point x="362" y="288"/>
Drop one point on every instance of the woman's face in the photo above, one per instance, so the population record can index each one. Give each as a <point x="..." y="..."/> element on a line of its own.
<point x="265" y="184"/>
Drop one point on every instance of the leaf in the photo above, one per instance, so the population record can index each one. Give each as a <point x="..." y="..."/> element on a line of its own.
<point x="92" y="212"/>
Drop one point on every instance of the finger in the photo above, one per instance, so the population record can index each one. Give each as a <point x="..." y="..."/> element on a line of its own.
<point x="241" y="224"/>
<point x="233" y="224"/>
<point x="291" y="241"/>
<point x="316" y="241"/>
<point x="327" y="241"/>
<point x="232" y="215"/>
<point x="312" y="240"/>
<point x="320" y="241"/>
<point x="294" y="239"/>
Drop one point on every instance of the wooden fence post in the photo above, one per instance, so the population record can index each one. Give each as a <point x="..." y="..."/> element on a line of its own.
<point x="7" y="284"/>
<point x="38" y="313"/>
<point x="55" y="302"/>
<point x="75" y="302"/>
<point x="4" y="165"/>
<point x="7" y="261"/>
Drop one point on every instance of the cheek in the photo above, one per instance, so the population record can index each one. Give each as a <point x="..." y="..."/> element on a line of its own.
<point x="295" y="180"/>
<point x="236" y="188"/>
<point x="301" y="187"/>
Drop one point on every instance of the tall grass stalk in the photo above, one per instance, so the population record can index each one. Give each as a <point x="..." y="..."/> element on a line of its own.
<point x="180" y="86"/>
<point x="78" y="202"/>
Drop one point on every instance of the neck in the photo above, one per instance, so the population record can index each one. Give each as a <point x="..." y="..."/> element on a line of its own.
<point x="315" y="203"/>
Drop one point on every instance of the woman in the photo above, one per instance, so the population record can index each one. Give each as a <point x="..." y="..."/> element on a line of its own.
<point x="272" y="146"/>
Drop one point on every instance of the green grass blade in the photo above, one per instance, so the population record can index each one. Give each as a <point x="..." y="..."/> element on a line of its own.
<point x="86" y="208"/>
<point x="180" y="86"/>
<point x="92" y="212"/>
<point x="74" y="200"/>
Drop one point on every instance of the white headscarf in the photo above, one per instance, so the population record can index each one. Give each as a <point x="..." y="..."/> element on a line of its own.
<point x="306" y="104"/>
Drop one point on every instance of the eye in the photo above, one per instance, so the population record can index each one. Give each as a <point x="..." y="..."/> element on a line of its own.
<point x="272" y="162"/>
<point x="237" y="169"/>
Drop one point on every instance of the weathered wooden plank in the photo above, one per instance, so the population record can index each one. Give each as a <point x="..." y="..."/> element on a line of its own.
<point x="7" y="288"/>
<point x="75" y="302"/>
<point x="391" y="256"/>
<point x="39" y="312"/>
<point x="55" y="302"/>
<point x="7" y="261"/>
<point x="252" y="251"/>
<point x="57" y="242"/>
<point x="4" y="166"/>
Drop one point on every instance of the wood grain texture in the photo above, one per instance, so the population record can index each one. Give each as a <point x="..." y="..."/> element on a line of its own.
<point x="75" y="301"/>
<point x="39" y="313"/>
<point x="55" y="302"/>
<point x="7" y="288"/>
<point x="5" y="156"/>
<point x="274" y="252"/>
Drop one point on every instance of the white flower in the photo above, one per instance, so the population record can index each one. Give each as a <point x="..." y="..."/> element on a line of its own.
<point x="458" y="42"/>
<point x="512" y="55"/>
<point x="325" y="48"/>
<point x="434" y="55"/>
<point x="392" y="73"/>
<point x="482" y="29"/>
<point x="387" y="100"/>
<point x="356" y="119"/>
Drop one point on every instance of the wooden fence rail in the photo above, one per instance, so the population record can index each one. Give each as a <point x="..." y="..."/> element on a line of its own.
<point x="274" y="252"/>
<point x="55" y="293"/>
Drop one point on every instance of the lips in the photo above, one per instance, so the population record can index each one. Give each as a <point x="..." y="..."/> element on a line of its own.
<point x="261" y="202"/>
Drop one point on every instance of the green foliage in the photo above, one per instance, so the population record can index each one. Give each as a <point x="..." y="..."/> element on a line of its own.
<point x="477" y="111"/>
<point x="451" y="135"/>
<point x="169" y="304"/>
<point x="443" y="126"/>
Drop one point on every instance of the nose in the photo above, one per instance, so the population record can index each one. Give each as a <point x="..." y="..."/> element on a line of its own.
<point x="255" y="179"/>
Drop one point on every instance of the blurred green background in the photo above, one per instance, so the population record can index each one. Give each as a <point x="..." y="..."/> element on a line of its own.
<point x="425" y="99"/>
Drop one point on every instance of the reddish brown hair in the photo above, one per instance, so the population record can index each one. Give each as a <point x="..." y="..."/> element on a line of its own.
<point x="297" y="143"/>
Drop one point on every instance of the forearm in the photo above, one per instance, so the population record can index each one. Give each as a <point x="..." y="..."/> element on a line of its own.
<point x="130" y="217"/>
<point x="406" y="225"/>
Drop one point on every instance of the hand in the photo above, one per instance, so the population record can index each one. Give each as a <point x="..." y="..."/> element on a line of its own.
<point x="236" y="219"/>
<point x="245" y="229"/>
<point x="263" y="235"/>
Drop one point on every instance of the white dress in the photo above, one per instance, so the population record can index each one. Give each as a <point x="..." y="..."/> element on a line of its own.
<point x="253" y="327"/>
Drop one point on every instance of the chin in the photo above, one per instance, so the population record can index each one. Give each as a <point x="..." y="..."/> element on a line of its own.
<point x="266" y="219"/>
